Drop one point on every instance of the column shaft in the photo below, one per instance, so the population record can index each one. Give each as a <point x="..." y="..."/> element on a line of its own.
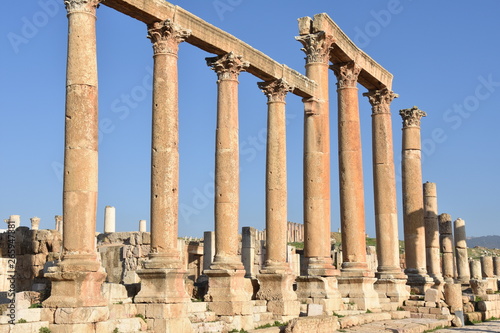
<point x="81" y="134"/>
<point x="413" y="205"/>
<point x="317" y="215"/>
<point x="461" y="251"/>
<point x="433" y="258"/>
<point x="166" y="37"/>
<point x="446" y="240"/>
<point x="352" y="211"/>
<point x="384" y="183"/>
<point x="226" y="209"/>
<point x="276" y="186"/>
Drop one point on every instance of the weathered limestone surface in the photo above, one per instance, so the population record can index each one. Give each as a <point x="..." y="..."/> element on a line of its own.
<point x="317" y="156"/>
<point x="413" y="205"/>
<point x="433" y="257"/>
<point x="461" y="251"/>
<point x="446" y="240"/>
<point x="475" y="269"/>
<point x="35" y="223"/>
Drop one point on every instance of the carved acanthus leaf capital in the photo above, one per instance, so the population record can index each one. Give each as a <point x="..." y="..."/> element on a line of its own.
<point x="411" y="117"/>
<point x="166" y="36"/>
<point x="228" y="66"/>
<point x="381" y="100"/>
<point x="87" y="6"/>
<point x="347" y="74"/>
<point x="317" y="47"/>
<point x="275" y="90"/>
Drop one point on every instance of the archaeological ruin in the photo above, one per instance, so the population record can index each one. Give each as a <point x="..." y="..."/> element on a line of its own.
<point x="237" y="278"/>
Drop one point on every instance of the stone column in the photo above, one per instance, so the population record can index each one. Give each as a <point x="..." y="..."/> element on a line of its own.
<point x="208" y="249"/>
<point x="446" y="241"/>
<point x="142" y="226"/>
<point x="461" y="251"/>
<point x="475" y="270"/>
<point x="162" y="275"/>
<point x="109" y="219"/>
<point x="357" y="280"/>
<point x="59" y="223"/>
<point x="77" y="280"/>
<point x="35" y="223"/>
<point x="16" y="219"/>
<point x="320" y="273"/>
<point x="276" y="278"/>
<point x="226" y="275"/>
<point x="317" y="219"/>
<point x="352" y="211"/>
<point x="413" y="200"/>
<point x="433" y="256"/>
<point x="496" y="266"/>
<point x="384" y="179"/>
<point x="487" y="266"/>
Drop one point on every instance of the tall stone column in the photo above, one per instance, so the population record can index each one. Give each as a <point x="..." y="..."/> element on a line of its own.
<point x="433" y="256"/>
<point x="77" y="280"/>
<point x="413" y="200"/>
<point x="109" y="219"/>
<point x="320" y="279"/>
<point x="162" y="275"/>
<point x="227" y="291"/>
<point x="142" y="226"/>
<point x="317" y="215"/>
<point x="461" y="251"/>
<point x="446" y="241"/>
<point x="276" y="278"/>
<point x="496" y="266"/>
<point x="35" y="223"/>
<point x="352" y="206"/>
<point x="356" y="281"/>
<point x="391" y="280"/>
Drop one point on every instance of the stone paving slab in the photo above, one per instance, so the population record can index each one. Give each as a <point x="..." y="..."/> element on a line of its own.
<point x="486" y="327"/>
<point x="409" y="325"/>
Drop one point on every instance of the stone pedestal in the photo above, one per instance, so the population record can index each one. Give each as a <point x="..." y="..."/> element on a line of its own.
<point x="229" y="293"/>
<point x="276" y="286"/>
<point x="35" y="223"/>
<point x="169" y="318"/>
<point x="109" y="219"/>
<point x="413" y="205"/>
<point x="360" y="290"/>
<point x="161" y="284"/>
<point x="395" y="289"/>
<point x="322" y="290"/>
<point x="419" y="282"/>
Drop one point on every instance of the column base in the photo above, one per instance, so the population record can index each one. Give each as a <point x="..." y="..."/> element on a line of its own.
<point x="162" y="285"/>
<point x="394" y="289"/>
<point x="229" y="293"/>
<point x="76" y="283"/>
<point x="360" y="290"/>
<point x="276" y="286"/>
<point x="322" y="290"/>
<point x="438" y="281"/>
<point x="419" y="282"/>
<point x="321" y="267"/>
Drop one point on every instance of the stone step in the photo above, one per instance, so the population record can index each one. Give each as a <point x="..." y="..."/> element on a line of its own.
<point x="404" y="325"/>
<point x="361" y="319"/>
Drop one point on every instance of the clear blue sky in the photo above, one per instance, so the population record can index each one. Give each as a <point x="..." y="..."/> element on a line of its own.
<point x="445" y="58"/>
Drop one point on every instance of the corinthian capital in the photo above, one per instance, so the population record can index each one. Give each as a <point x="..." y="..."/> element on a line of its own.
<point x="381" y="100"/>
<point x="411" y="117"/>
<point x="317" y="47"/>
<point x="87" y="6"/>
<point x="166" y="36"/>
<point x="275" y="90"/>
<point x="347" y="74"/>
<point x="228" y="66"/>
